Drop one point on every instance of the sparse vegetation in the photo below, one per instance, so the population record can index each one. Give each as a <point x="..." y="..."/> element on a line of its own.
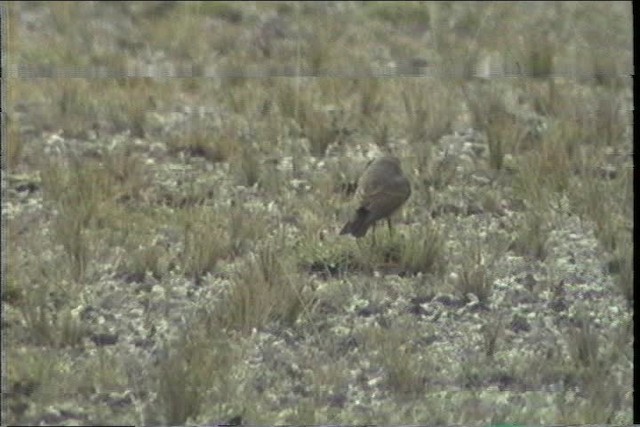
<point x="424" y="251"/>
<point x="47" y="324"/>
<point x="174" y="185"/>
<point x="264" y="290"/>
<point x="474" y="276"/>
<point x="12" y="147"/>
<point x="196" y="368"/>
<point x="205" y="241"/>
<point x="623" y="271"/>
<point x="532" y="237"/>
<point x="405" y="372"/>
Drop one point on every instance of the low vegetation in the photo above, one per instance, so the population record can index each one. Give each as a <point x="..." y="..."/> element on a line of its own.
<point x="175" y="176"/>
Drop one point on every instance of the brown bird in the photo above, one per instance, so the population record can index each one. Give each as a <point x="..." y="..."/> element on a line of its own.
<point x="382" y="189"/>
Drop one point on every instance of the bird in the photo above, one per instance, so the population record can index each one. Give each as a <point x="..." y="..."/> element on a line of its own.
<point x="382" y="189"/>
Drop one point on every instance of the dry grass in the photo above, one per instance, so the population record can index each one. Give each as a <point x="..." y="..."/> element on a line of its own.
<point x="265" y="289"/>
<point x="197" y="368"/>
<point x="184" y="193"/>
<point x="473" y="276"/>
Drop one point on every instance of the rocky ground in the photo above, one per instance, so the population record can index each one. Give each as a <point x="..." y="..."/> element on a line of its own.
<point x="172" y="252"/>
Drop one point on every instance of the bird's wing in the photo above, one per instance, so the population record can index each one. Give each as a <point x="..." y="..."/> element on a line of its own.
<point x="383" y="202"/>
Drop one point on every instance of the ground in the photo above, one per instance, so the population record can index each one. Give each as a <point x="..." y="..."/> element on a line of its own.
<point x="175" y="176"/>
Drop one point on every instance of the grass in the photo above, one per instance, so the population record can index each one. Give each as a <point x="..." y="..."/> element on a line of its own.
<point x="532" y="237"/>
<point x="265" y="290"/>
<point x="424" y="253"/>
<point x="50" y="325"/>
<point x="173" y="213"/>
<point x="78" y="195"/>
<point x="196" y="368"/>
<point x="404" y="373"/>
<point x="204" y="240"/>
<point x="624" y="276"/>
<point x="13" y="147"/>
<point x="426" y="121"/>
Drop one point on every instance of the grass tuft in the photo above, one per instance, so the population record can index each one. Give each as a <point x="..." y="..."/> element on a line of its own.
<point x="474" y="277"/>
<point x="266" y="289"/>
<point x="196" y="370"/>
<point x="205" y="241"/>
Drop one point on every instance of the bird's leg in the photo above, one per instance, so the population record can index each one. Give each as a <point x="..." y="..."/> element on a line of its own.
<point x="373" y="234"/>
<point x="390" y="229"/>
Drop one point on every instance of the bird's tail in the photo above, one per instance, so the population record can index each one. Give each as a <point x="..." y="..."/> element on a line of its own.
<point x="359" y="225"/>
